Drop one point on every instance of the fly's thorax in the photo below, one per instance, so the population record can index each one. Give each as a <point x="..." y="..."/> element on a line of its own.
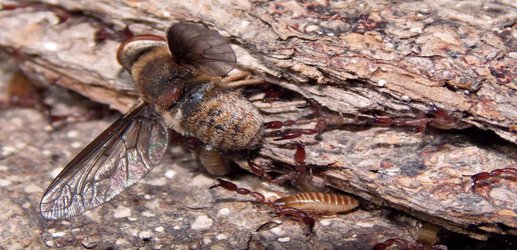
<point x="159" y="78"/>
<point x="219" y="118"/>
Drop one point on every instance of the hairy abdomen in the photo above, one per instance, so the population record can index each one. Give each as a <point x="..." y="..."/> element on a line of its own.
<point x="218" y="118"/>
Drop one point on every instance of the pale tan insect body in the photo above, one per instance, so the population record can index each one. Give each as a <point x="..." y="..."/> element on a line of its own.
<point x="318" y="202"/>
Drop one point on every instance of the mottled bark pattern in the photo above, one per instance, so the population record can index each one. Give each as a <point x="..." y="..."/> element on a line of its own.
<point x="354" y="58"/>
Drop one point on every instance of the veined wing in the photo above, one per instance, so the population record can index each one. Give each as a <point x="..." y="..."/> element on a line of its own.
<point x="198" y="45"/>
<point x="116" y="159"/>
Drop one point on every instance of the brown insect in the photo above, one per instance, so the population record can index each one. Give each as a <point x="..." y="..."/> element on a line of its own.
<point x="434" y="117"/>
<point x="302" y="206"/>
<point x="179" y="82"/>
<point x="485" y="178"/>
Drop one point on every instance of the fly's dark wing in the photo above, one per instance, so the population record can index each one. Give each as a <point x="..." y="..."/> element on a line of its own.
<point x="116" y="159"/>
<point x="197" y="45"/>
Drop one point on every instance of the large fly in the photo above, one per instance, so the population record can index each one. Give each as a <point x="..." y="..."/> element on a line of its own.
<point x="176" y="79"/>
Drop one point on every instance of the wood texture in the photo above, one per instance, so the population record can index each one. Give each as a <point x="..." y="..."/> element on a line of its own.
<point x="355" y="58"/>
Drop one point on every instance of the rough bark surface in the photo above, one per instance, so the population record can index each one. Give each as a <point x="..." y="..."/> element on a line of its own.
<point x="171" y="208"/>
<point x="355" y="59"/>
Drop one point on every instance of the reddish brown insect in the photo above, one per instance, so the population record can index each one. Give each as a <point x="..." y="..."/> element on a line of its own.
<point x="485" y="178"/>
<point x="435" y="117"/>
<point x="302" y="206"/>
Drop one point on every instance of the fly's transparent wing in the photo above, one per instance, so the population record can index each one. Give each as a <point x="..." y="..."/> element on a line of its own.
<point x="116" y="159"/>
<point x="204" y="48"/>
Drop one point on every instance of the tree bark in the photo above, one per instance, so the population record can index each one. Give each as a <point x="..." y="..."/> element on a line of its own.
<point x="355" y="59"/>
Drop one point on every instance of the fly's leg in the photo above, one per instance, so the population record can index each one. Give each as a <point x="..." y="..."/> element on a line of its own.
<point x="240" y="79"/>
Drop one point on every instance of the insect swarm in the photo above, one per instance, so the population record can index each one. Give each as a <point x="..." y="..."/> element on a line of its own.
<point x="176" y="79"/>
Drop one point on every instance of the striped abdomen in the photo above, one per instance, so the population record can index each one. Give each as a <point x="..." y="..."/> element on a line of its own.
<point x="221" y="119"/>
<point x="213" y="161"/>
<point x="318" y="202"/>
